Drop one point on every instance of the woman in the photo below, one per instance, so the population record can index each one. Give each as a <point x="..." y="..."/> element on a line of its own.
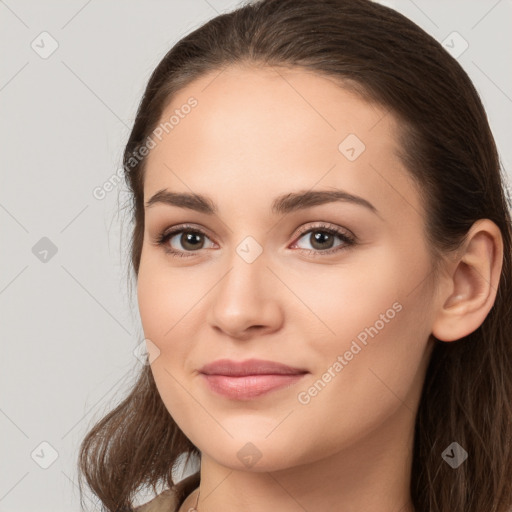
<point x="322" y="248"/>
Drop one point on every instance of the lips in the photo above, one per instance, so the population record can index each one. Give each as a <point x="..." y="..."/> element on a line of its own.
<point x="249" y="367"/>
<point x="249" y="379"/>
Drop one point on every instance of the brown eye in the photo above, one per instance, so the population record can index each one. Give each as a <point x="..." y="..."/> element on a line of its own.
<point x="179" y="242"/>
<point x="190" y="241"/>
<point x="323" y="240"/>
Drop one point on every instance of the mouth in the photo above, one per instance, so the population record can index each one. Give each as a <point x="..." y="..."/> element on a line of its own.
<point x="249" y="386"/>
<point x="249" y="379"/>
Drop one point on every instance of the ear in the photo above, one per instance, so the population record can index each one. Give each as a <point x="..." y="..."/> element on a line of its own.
<point x="471" y="283"/>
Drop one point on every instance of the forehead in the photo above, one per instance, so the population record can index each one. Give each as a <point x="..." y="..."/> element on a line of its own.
<point x="243" y="105"/>
<point x="276" y="130"/>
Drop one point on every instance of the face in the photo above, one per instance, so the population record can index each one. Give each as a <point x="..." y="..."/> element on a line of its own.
<point x="334" y="285"/>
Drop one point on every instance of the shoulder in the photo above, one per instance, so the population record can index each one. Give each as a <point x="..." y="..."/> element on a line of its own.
<point x="166" y="501"/>
<point x="171" y="499"/>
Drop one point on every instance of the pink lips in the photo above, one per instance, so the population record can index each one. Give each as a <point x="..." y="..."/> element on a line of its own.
<point x="249" y="379"/>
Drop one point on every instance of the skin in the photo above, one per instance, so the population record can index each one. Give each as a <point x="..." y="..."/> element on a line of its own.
<point x="256" y="133"/>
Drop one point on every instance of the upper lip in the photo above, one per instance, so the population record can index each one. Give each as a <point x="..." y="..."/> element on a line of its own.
<point x="249" y="367"/>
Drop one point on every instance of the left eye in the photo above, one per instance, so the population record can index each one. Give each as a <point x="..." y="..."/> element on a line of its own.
<point x="322" y="239"/>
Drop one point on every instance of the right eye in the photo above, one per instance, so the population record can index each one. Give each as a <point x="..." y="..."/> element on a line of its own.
<point x="189" y="238"/>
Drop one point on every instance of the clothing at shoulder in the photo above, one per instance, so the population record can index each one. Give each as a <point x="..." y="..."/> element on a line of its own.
<point x="170" y="500"/>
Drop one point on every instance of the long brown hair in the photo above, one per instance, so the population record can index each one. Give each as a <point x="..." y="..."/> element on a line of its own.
<point x="449" y="150"/>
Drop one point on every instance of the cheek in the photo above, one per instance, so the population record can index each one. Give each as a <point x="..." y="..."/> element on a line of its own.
<point x="167" y="299"/>
<point x="374" y="349"/>
<point x="342" y="300"/>
<point x="163" y="300"/>
<point x="363" y="386"/>
<point x="171" y="311"/>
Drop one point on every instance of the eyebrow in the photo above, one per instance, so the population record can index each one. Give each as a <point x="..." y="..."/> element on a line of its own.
<point x="284" y="204"/>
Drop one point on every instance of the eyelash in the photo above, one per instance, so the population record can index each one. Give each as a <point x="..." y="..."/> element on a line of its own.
<point x="348" y="241"/>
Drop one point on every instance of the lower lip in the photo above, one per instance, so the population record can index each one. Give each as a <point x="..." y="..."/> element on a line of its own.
<point x="249" y="386"/>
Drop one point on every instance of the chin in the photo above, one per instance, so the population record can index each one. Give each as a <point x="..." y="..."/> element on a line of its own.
<point x="253" y="451"/>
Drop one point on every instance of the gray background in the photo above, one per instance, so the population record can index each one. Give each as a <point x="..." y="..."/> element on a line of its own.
<point x="69" y="328"/>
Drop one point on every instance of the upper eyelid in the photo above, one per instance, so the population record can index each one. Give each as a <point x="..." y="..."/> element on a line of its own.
<point x="185" y="227"/>
<point x="324" y="225"/>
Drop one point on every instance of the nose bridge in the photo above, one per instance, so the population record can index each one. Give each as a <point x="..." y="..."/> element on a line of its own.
<point x="248" y="272"/>
<point x="245" y="296"/>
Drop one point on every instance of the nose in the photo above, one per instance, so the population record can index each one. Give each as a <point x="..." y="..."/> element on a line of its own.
<point x="246" y="300"/>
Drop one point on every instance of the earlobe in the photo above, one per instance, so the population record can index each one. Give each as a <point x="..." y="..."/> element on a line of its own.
<point x="472" y="283"/>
